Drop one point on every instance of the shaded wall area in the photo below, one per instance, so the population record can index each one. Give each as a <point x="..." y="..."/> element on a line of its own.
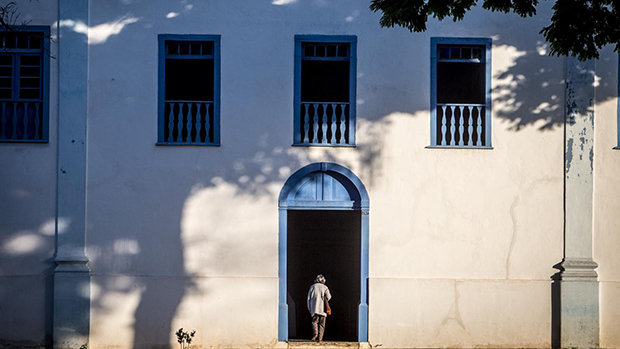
<point x="28" y="217"/>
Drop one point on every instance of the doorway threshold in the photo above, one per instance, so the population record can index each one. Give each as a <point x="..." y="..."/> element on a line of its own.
<point x="307" y="344"/>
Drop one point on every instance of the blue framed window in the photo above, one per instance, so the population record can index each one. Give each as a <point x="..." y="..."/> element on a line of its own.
<point x="325" y="90"/>
<point x="24" y="85"/>
<point x="189" y="90"/>
<point x="461" y="92"/>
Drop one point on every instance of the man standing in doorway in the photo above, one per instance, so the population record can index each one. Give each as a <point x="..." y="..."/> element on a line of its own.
<point x="316" y="306"/>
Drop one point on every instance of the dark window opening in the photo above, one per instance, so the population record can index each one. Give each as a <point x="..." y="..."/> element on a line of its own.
<point x="462" y="83"/>
<point x="325" y="89"/>
<point x="23" y="114"/>
<point x="461" y="109"/>
<point x="324" y="81"/>
<point x="189" y="113"/>
<point x="189" y="79"/>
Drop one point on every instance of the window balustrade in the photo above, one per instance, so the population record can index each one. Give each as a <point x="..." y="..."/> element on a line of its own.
<point x="461" y="125"/>
<point x="188" y="122"/>
<point x="325" y="123"/>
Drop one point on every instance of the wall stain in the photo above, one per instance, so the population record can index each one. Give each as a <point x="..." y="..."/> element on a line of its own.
<point x="454" y="314"/>
<point x="569" y="154"/>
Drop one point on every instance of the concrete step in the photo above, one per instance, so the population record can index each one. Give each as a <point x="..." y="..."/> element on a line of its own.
<point x="324" y="344"/>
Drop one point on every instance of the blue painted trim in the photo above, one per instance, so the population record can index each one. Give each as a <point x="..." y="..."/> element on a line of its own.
<point x="161" y="90"/>
<point x="297" y="94"/>
<point x="325" y="145"/>
<point x="489" y="103"/>
<point x="352" y="41"/>
<point x="453" y="147"/>
<point x="284" y="204"/>
<point x="363" y="306"/>
<point x="45" y="81"/>
<point x="352" y="91"/>
<point x="488" y="43"/>
<point x="282" y="272"/>
<point x="161" y="94"/>
<point x="188" y="144"/>
<point x="433" y="106"/>
<point x="325" y="38"/>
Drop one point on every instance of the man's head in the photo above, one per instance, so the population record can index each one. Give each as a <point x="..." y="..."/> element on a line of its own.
<point x="320" y="278"/>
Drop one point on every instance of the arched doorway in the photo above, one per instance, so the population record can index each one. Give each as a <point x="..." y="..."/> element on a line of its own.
<point x="323" y="215"/>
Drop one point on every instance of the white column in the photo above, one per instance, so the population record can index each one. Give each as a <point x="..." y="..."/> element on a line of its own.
<point x="72" y="274"/>
<point x="579" y="304"/>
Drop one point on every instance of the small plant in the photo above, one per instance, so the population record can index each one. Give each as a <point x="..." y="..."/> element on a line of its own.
<point x="184" y="338"/>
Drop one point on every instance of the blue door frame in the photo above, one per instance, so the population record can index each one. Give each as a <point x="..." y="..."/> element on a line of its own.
<point x="335" y="188"/>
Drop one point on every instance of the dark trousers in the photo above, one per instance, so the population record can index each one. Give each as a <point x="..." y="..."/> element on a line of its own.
<point x="318" y="326"/>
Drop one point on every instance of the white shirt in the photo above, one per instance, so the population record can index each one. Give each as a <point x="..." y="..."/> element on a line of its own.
<point x="316" y="295"/>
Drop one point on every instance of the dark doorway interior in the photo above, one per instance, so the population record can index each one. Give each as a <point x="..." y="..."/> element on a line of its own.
<point x="328" y="243"/>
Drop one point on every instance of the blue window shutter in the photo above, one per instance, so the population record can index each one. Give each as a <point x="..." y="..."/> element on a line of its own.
<point x="186" y="115"/>
<point x="24" y="90"/>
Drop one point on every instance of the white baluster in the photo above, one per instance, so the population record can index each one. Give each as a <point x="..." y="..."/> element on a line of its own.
<point x="461" y="126"/>
<point x="324" y="124"/>
<point x="343" y="124"/>
<point x="306" y="123"/>
<point x="208" y="123"/>
<point x="199" y="119"/>
<point x="315" y="126"/>
<point x="479" y="128"/>
<point x="188" y="124"/>
<point x="452" y="125"/>
<point x="14" y="136"/>
<point x="171" y="123"/>
<point x="3" y="121"/>
<point x="25" y="121"/>
<point x="443" y="126"/>
<point x="334" y="126"/>
<point x="470" y="128"/>
<point x="37" y="121"/>
<point x="180" y="123"/>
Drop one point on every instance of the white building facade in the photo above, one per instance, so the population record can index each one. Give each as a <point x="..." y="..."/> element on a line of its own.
<point x="195" y="164"/>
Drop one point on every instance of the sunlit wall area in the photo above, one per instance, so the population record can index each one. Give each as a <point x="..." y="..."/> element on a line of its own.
<point x="607" y="195"/>
<point x="28" y="212"/>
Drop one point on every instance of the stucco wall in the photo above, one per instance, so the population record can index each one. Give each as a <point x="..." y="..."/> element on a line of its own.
<point x="462" y="242"/>
<point x="606" y="226"/>
<point x="27" y="216"/>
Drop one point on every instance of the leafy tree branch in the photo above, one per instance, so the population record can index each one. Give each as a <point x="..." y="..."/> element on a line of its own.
<point x="578" y="28"/>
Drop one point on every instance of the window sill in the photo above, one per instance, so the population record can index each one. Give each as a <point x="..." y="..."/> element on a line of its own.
<point x="325" y="145"/>
<point x="616" y="148"/>
<point x="457" y="147"/>
<point x="187" y="144"/>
